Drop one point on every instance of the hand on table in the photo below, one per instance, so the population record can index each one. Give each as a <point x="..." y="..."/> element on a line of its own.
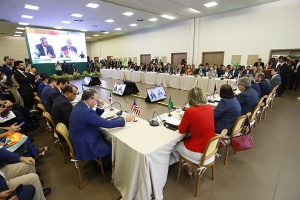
<point x="100" y="103"/>
<point x="128" y="118"/>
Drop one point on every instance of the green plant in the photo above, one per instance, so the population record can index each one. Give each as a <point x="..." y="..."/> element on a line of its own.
<point x="85" y="73"/>
<point x="76" y="76"/>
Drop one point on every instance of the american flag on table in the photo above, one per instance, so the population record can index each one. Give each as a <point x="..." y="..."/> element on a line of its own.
<point x="110" y="100"/>
<point x="134" y="108"/>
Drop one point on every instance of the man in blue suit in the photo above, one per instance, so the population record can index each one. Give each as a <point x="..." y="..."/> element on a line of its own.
<point x="233" y="73"/>
<point x="264" y="85"/>
<point x="45" y="92"/>
<point x="248" y="97"/>
<point x="84" y="124"/>
<point x="55" y="92"/>
<point x="276" y="79"/>
<point x="44" y="49"/>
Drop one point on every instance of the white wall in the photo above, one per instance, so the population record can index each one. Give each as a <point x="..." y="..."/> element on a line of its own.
<point x="248" y="31"/>
<point x="14" y="47"/>
<point x="253" y="30"/>
<point x="172" y="38"/>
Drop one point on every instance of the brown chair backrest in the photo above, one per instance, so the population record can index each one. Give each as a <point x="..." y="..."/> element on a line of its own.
<point x="38" y="99"/>
<point x="255" y="111"/>
<point x="48" y="118"/>
<point x="212" y="147"/>
<point x="41" y="107"/>
<point x="64" y="132"/>
<point x="262" y="99"/>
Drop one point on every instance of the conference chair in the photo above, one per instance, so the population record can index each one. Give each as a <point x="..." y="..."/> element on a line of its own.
<point x="267" y="105"/>
<point x="207" y="160"/>
<point x="237" y="129"/>
<point x="273" y="96"/>
<point x="41" y="107"/>
<point x="63" y="131"/>
<point x="52" y="130"/>
<point x="35" y="94"/>
<point x="255" y="116"/>
<point x="37" y="99"/>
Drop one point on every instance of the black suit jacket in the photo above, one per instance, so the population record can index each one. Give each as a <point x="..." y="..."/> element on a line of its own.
<point x="61" y="110"/>
<point x="42" y="52"/>
<point x="51" y="97"/>
<point x="256" y="64"/>
<point x="248" y="100"/>
<point x="24" y="82"/>
<point x="265" y="87"/>
<point x="283" y="72"/>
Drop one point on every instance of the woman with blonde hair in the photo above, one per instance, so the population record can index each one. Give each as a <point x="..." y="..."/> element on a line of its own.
<point x="198" y="122"/>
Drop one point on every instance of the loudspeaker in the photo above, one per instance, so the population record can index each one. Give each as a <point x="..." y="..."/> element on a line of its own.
<point x="91" y="81"/>
<point x="130" y="88"/>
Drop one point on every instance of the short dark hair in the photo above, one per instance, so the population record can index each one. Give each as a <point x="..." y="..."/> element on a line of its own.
<point x="280" y="57"/>
<point x="88" y="94"/>
<point x="5" y="57"/>
<point x="17" y="63"/>
<point x="44" y="76"/>
<point x="62" y="80"/>
<point x="276" y="70"/>
<point x="66" y="89"/>
<point x="51" y="79"/>
<point x="226" y="92"/>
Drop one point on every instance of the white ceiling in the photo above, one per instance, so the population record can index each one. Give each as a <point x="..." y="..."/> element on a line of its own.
<point x="52" y="12"/>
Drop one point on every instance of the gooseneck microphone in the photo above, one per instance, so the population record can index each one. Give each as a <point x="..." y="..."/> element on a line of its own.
<point x="153" y="121"/>
<point x="116" y="103"/>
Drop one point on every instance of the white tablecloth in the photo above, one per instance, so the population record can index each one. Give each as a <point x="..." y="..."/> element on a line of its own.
<point x="173" y="81"/>
<point x="106" y="73"/>
<point x="150" y="78"/>
<point x="187" y="82"/>
<point x="141" y="155"/>
<point x="116" y="74"/>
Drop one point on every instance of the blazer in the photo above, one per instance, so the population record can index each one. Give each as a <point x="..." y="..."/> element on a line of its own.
<point x="248" y="100"/>
<point x="53" y="93"/>
<point x="85" y="135"/>
<point x="233" y="74"/>
<point x="42" y="52"/>
<point x="24" y="81"/>
<point x="225" y="114"/>
<point x="265" y="87"/>
<point x="256" y="64"/>
<point x="7" y="157"/>
<point x="61" y="110"/>
<point x="40" y="88"/>
<point x="45" y="95"/>
<point x="275" y="80"/>
<point x="7" y="71"/>
<point x="256" y="87"/>
<point x="283" y="72"/>
<point x="199" y="122"/>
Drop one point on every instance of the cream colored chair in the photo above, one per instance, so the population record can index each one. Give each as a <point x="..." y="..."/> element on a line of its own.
<point x="63" y="131"/>
<point x="255" y="116"/>
<point x="41" y="107"/>
<point x="207" y="159"/>
<point x="37" y="99"/>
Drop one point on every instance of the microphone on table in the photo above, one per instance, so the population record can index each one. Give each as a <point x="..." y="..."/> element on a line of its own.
<point x="120" y="106"/>
<point x="154" y="121"/>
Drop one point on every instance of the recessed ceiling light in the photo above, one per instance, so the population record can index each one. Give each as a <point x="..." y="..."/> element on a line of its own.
<point x="92" y="5"/>
<point x="128" y="13"/>
<point x="58" y="27"/>
<point x="105" y="32"/>
<point x="194" y="10"/>
<point x="88" y="37"/>
<point x="168" y="17"/>
<point x="17" y="35"/>
<point x="211" y="4"/>
<point x="66" y="22"/>
<point x="20" y="28"/>
<point x="109" y="20"/>
<point x="19" y="32"/>
<point x="133" y="25"/>
<point x="27" y="16"/>
<point x="76" y="15"/>
<point x="118" y="29"/>
<point x="153" y="19"/>
<point x="31" y="7"/>
<point x="23" y="23"/>
<point x="95" y="35"/>
<point x="84" y="30"/>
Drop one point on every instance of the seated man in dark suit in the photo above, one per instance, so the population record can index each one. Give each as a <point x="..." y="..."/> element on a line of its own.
<point x="62" y="106"/>
<point x="84" y="126"/>
<point x="44" y="49"/>
<point x="42" y="84"/>
<point x="276" y="79"/>
<point x="67" y="50"/>
<point x="248" y="97"/>
<point x="254" y="85"/>
<point x="54" y="92"/>
<point x="45" y="92"/>
<point x="264" y="85"/>
<point x="233" y="73"/>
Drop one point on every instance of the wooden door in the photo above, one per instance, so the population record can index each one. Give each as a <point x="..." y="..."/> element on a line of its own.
<point x="176" y="58"/>
<point x="145" y="58"/>
<point x="293" y="53"/>
<point x="216" y="57"/>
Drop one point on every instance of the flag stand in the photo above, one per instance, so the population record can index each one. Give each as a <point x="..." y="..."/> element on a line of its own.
<point x="169" y="113"/>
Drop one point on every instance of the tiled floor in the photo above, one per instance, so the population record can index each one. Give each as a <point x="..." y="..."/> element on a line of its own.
<point x="269" y="171"/>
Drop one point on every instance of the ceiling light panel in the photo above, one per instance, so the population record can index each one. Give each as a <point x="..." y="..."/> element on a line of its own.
<point x="128" y="13"/>
<point x="66" y="22"/>
<point x="194" y="10"/>
<point x="153" y="19"/>
<point x="118" y="29"/>
<point x="168" y="17"/>
<point x="211" y="4"/>
<point x="23" y="23"/>
<point x="31" y="7"/>
<point x="109" y="20"/>
<point x="92" y="5"/>
<point x="20" y="28"/>
<point x="132" y="25"/>
<point x="27" y="16"/>
<point x="77" y="15"/>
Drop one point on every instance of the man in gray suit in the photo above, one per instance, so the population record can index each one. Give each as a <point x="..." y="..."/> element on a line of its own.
<point x="276" y="79"/>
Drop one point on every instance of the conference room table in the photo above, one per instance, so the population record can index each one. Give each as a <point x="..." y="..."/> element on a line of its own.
<point x="141" y="158"/>
<point x="176" y="81"/>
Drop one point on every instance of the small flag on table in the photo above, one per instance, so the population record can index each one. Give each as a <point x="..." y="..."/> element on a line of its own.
<point x="170" y="103"/>
<point x="135" y="109"/>
<point x="110" y="100"/>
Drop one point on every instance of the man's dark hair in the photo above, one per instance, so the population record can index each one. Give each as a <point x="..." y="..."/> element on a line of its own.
<point x="67" y="89"/>
<point x="17" y="63"/>
<point x="5" y="57"/>
<point x="88" y="94"/>
<point x="51" y="79"/>
<point x="280" y="57"/>
<point x="261" y="75"/>
<point x="226" y="92"/>
<point x="62" y="80"/>
<point x="44" y="76"/>
<point x="276" y="70"/>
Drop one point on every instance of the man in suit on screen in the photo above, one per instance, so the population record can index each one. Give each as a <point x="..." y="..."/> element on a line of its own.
<point x="68" y="49"/>
<point x="44" y="49"/>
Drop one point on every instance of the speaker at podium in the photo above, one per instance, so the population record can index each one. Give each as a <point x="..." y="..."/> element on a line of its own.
<point x="91" y="81"/>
